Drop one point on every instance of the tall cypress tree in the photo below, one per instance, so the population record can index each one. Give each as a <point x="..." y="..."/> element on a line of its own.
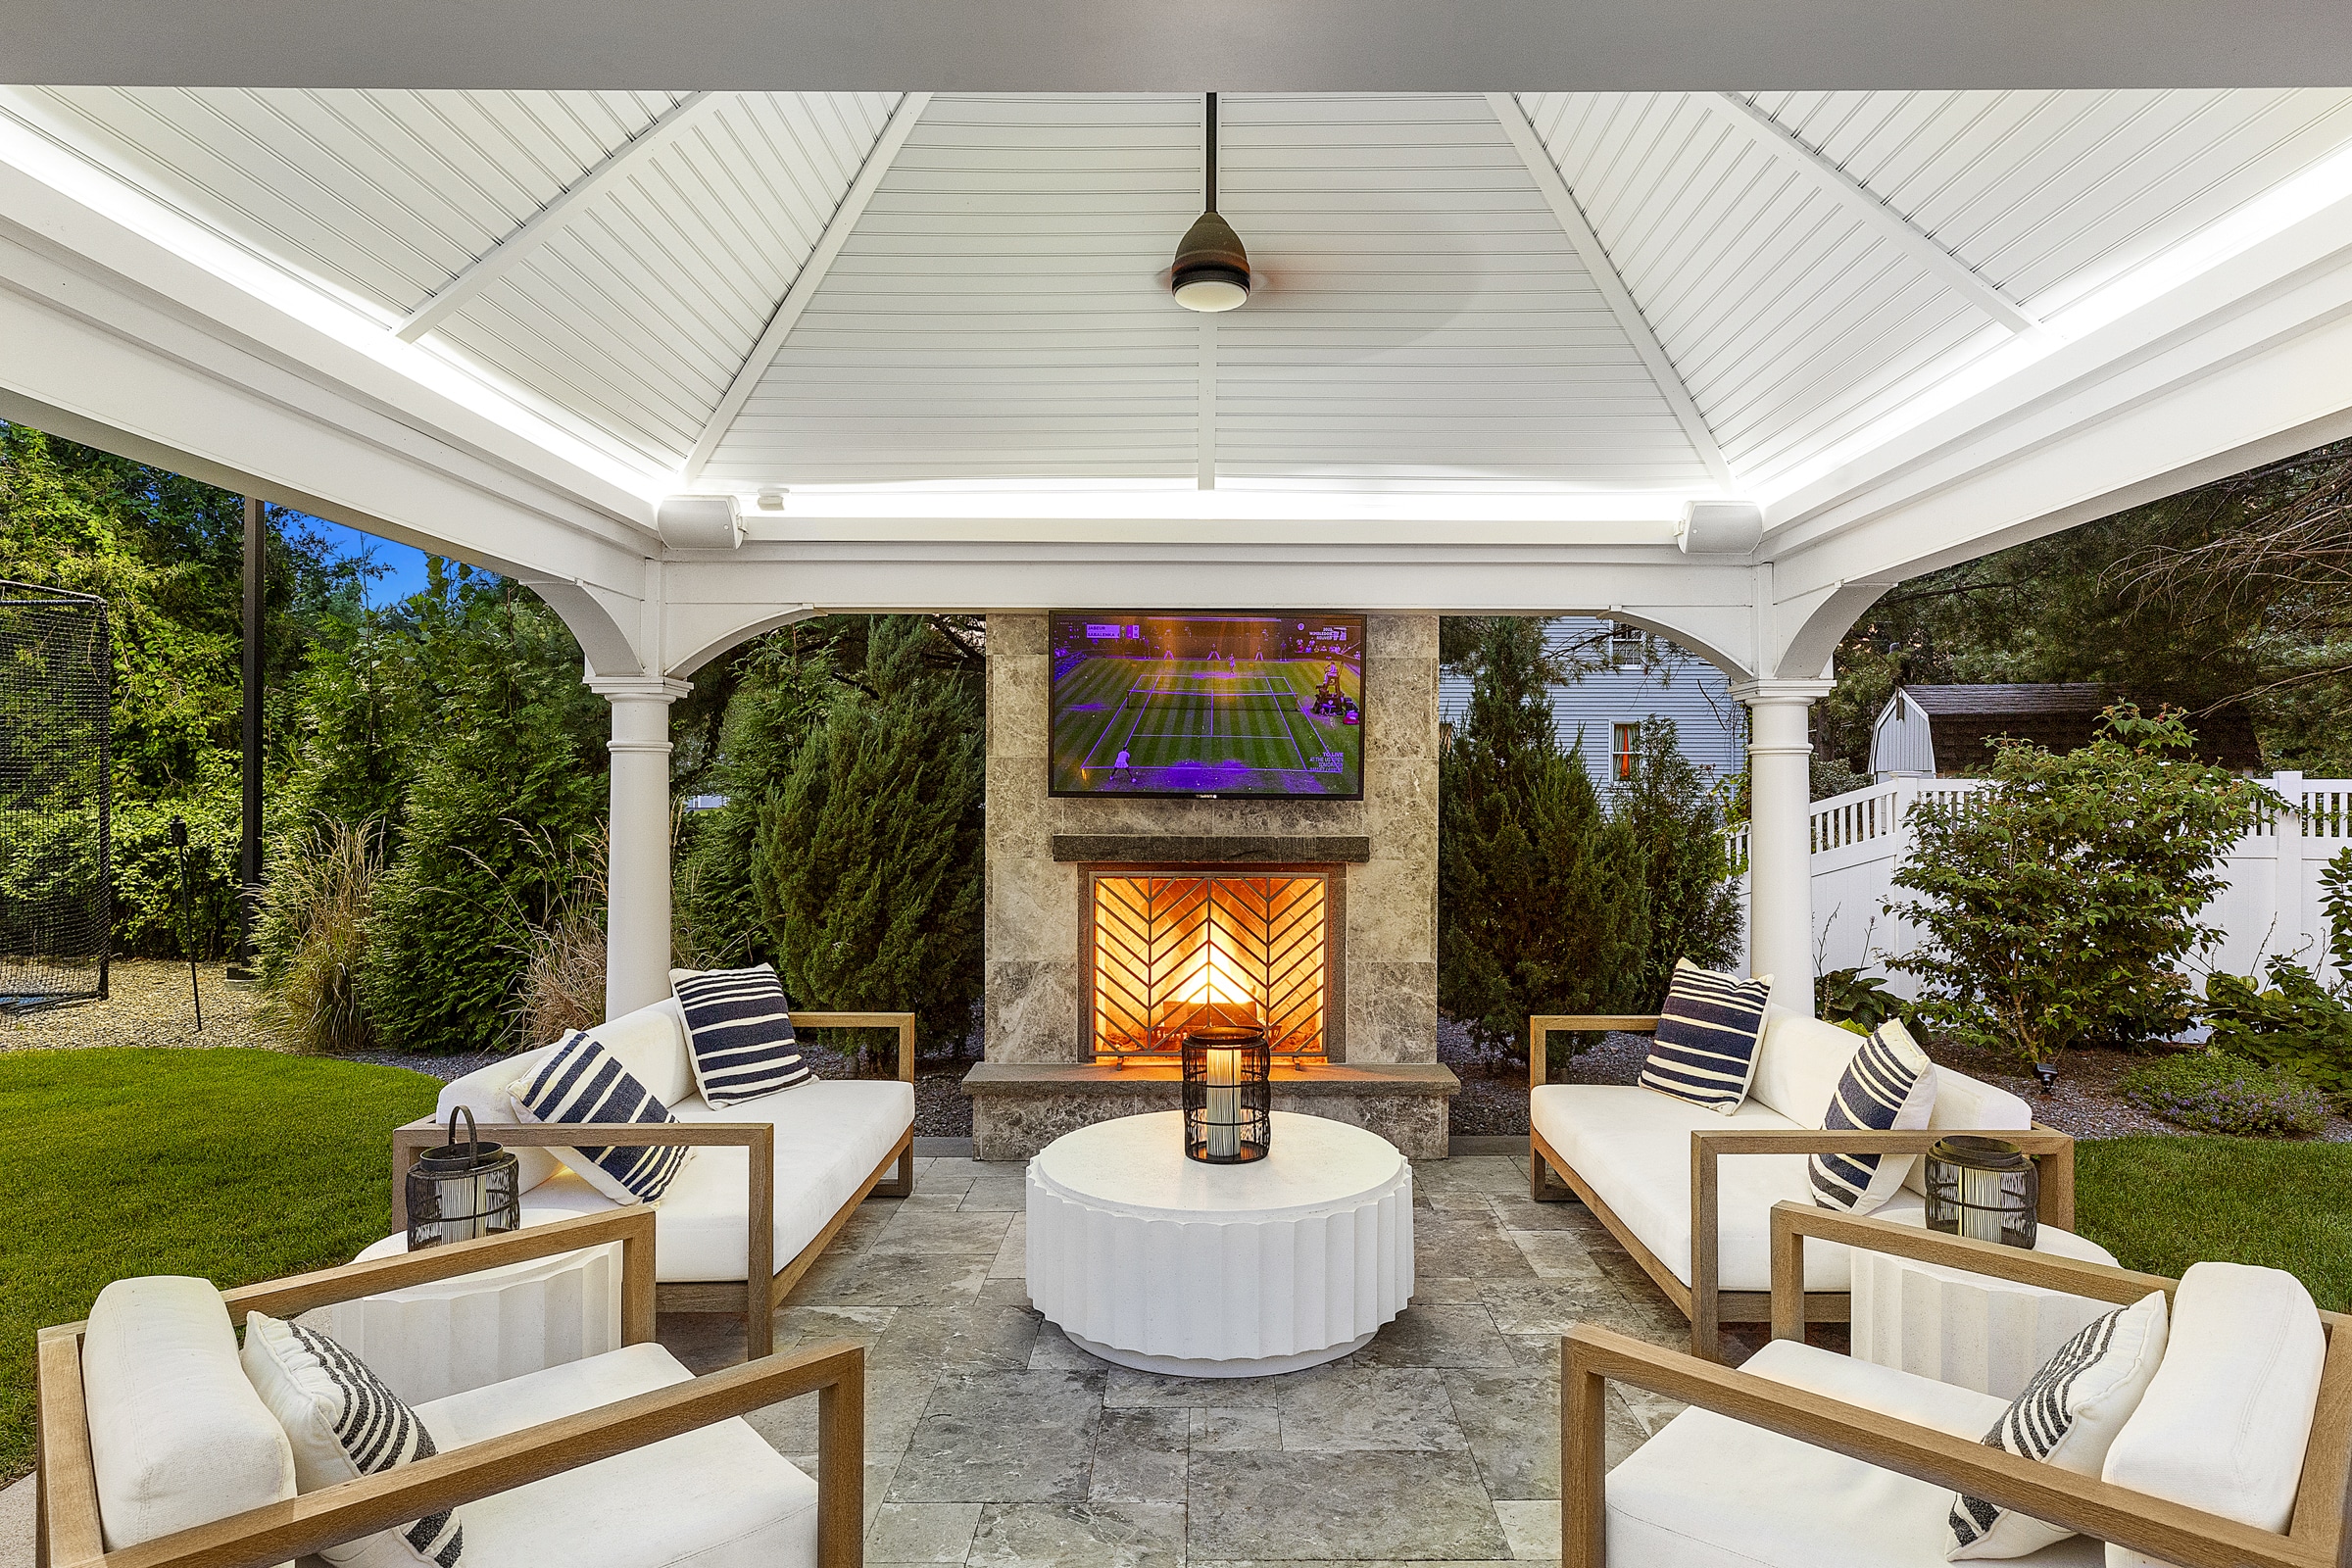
<point x="1542" y="901"/>
<point x="1677" y="822"/>
<point x="867" y="860"/>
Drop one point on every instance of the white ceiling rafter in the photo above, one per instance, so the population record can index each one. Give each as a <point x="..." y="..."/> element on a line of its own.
<point x="808" y="280"/>
<point x="1512" y="115"/>
<point x="1776" y="139"/>
<point x="534" y="231"/>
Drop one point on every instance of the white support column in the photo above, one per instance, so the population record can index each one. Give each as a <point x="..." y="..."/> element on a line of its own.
<point x="1780" y="847"/>
<point x="637" y="897"/>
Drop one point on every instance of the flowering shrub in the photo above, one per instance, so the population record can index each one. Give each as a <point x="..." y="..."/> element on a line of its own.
<point x="2216" y="1093"/>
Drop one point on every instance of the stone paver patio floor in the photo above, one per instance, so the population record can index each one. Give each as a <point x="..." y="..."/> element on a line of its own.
<point x="992" y="1439"/>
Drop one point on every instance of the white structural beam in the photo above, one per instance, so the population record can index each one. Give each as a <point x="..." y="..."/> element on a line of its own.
<point x="1776" y="139"/>
<point x="544" y="224"/>
<point x="1512" y="115"/>
<point x="810" y="278"/>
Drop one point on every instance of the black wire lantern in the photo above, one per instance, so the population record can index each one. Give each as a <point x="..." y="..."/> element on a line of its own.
<point x="1228" y="1094"/>
<point x="1985" y="1189"/>
<point x="461" y="1191"/>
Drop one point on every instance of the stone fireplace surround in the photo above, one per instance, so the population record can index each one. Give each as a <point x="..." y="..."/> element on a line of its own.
<point x="1038" y="1079"/>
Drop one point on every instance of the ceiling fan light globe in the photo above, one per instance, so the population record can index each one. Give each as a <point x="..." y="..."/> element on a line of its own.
<point x="1210" y="290"/>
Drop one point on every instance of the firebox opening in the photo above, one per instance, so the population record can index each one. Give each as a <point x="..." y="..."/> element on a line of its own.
<point x="1169" y="949"/>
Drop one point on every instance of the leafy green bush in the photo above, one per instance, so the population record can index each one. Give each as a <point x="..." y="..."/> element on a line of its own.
<point x="2214" y="1092"/>
<point x="2294" y="1022"/>
<point x="2058" y="900"/>
<point x="1850" y="997"/>
<point x="312" y="934"/>
<point x="867" y="863"/>
<point x="1543" y="903"/>
<point x="1677" y="824"/>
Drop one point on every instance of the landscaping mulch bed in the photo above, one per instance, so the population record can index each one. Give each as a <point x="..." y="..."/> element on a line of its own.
<point x="2085" y="1105"/>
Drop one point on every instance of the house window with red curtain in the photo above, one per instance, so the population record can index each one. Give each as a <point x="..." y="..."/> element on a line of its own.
<point x="1621" y="749"/>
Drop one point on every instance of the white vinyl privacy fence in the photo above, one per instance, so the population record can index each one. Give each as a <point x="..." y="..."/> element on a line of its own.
<point x="2271" y="905"/>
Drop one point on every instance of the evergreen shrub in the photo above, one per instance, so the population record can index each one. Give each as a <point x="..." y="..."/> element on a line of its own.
<point x="1678" y="826"/>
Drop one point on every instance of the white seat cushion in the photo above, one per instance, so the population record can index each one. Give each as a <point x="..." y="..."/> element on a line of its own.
<point x="177" y="1435"/>
<point x="2225" y="1422"/>
<point x="1708" y="1491"/>
<point x="717" y="1498"/>
<point x="1633" y="1148"/>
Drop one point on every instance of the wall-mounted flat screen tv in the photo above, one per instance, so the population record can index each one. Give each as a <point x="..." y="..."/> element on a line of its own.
<point x="1225" y="705"/>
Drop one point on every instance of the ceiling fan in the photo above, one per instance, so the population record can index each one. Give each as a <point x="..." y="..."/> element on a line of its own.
<point x="1212" y="269"/>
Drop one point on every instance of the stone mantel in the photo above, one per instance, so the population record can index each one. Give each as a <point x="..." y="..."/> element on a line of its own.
<point x="1225" y="848"/>
<point x="1019" y="1107"/>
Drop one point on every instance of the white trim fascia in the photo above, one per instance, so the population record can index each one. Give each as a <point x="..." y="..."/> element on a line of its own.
<point x="1512" y="114"/>
<point x="544" y="224"/>
<point x="1771" y="136"/>
<point x="808" y="280"/>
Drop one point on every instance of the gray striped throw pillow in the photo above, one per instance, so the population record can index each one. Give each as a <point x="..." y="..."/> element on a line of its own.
<point x="739" y="1028"/>
<point x="1889" y="1085"/>
<point x="1708" y="1031"/>
<point x="2069" y="1415"/>
<point x="584" y="1081"/>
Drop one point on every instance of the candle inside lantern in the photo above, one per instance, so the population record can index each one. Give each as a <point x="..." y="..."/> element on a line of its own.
<point x="1224" y="1101"/>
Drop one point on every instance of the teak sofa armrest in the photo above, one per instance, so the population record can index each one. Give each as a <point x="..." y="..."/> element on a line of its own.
<point x="284" y="1530"/>
<point x="2054" y="1150"/>
<point x="902" y="1022"/>
<point x="1591" y="1357"/>
<point x="1542" y="1025"/>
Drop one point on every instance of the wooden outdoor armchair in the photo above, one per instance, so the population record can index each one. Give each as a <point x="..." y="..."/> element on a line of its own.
<point x="1707" y="1306"/>
<point x="68" y="1530"/>
<point x="753" y="1299"/>
<point x="2318" y="1536"/>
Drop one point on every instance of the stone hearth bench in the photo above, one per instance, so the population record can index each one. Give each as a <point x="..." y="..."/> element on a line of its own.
<point x="1019" y="1107"/>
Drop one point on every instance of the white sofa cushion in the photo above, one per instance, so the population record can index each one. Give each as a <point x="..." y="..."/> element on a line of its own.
<point x="716" y="1498"/>
<point x="345" y="1423"/>
<point x="2067" y="1415"/>
<point x="1633" y="1148"/>
<point x="1888" y="1087"/>
<point x="1798" y="1063"/>
<point x="1969" y="1105"/>
<point x="2223" y="1425"/>
<point x="1704" y="1050"/>
<point x="650" y="1043"/>
<point x="830" y="1135"/>
<point x="483" y="1092"/>
<point x="1708" y="1491"/>
<point x="585" y="1082"/>
<point x="178" y="1435"/>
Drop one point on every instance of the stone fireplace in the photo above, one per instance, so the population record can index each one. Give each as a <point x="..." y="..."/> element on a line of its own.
<point x="1113" y="924"/>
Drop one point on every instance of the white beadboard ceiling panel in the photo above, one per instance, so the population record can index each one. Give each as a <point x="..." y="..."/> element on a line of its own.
<point x="998" y="311"/>
<point x="382" y="195"/>
<point x="635" y="314"/>
<point x="1424" y="319"/>
<point x="1792" y="319"/>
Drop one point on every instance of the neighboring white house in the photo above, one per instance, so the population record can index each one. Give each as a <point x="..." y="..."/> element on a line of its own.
<point x="1596" y="716"/>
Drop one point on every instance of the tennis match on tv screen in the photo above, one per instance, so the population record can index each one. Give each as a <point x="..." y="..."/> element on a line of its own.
<point x="1207" y="705"/>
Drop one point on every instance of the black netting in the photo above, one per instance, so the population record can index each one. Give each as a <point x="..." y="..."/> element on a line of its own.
<point x="55" y="675"/>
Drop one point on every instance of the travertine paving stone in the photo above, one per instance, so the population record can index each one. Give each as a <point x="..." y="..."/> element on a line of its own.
<point x="993" y="1441"/>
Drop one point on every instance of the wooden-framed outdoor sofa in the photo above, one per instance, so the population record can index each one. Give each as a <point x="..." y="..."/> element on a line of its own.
<point x="1653" y="1172"/>
<point x="71" y="1524"/>
<point x="811" y="1117"/>
<point x="1798" y="1501"/>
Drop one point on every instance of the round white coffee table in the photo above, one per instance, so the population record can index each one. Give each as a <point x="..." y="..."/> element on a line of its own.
<point x="1154" y="1261"/>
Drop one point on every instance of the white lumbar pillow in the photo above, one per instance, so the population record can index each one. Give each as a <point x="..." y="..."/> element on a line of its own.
<point x="2226" y="1423"/>
<point x="2068" y="1415"/>
<point x="178" y="1437"/>
<point x="345" y="1423"/>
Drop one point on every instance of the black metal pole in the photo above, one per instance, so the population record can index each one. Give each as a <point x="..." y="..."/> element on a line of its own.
<point x="249" y="849"/>
<point x="1211" y="181"/>
<point x="187" y="920"/>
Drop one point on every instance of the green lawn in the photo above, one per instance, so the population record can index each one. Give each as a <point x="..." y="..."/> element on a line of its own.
<point x="2161" y="1204"/>
<point x="236" y="1165"/>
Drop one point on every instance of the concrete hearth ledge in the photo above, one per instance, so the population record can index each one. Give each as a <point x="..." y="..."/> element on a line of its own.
<point x="1212" y="849"/>
<point x="1019" y="1107"/>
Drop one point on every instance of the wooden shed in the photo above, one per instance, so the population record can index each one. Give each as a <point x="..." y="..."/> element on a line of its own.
<point x="1941" y="731"/>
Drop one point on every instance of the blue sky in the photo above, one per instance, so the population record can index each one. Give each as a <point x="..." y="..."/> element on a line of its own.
<point x="407" y="565"/>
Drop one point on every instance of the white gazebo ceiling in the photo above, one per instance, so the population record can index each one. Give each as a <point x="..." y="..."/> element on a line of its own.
<point x="1776" y="272"/>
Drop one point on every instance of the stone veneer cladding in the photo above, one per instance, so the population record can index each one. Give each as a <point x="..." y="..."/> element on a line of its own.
<point x="1033" y="926"/>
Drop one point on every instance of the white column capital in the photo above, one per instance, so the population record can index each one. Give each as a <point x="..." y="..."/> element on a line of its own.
<point x="1773" y="692"/>
<point x="639" y="688"/>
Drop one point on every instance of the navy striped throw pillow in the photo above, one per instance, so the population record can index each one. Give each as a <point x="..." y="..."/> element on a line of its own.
<point x="740" y="1029"/>
<point x="583" y="1082"/>
<point x="1706" y="1050"/>
<point x="1888" y="1086"/>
